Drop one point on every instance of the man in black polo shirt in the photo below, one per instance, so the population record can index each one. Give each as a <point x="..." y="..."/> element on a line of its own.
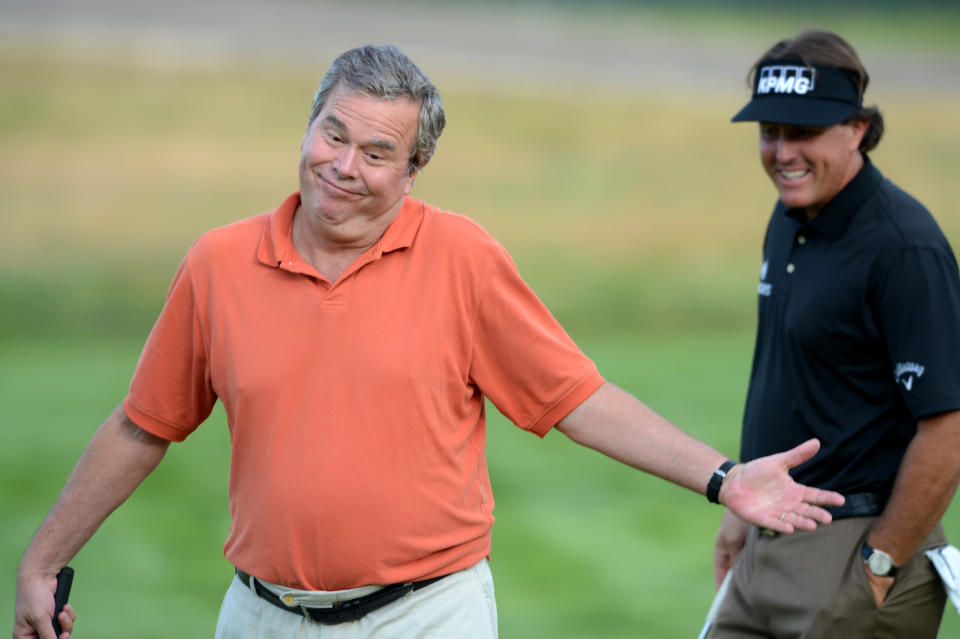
<point x="858" y="344"/>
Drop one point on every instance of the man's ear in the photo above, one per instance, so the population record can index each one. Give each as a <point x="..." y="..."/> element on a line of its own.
<point x="859" y="130"/>
<point x="410" y="179"/>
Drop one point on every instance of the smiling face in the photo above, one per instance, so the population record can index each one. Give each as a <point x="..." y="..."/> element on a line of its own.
<point x="809" y="166"/>
<point x="354" y="164"/>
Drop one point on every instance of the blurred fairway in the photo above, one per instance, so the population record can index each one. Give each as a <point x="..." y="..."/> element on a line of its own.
<point x="637" y="219"/>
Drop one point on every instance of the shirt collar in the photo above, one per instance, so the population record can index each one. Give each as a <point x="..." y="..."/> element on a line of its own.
<point x="276" y="241"/>
<point x="402" y="231"/>
<point x="834" y="218"/>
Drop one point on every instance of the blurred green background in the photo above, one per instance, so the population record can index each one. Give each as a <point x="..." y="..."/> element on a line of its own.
<point x="591" y="138"/>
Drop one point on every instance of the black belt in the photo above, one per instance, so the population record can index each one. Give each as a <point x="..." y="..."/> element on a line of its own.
<point x="859" y="505"/>
<point x="854" y="505"/>
<point x="343" y="611"/>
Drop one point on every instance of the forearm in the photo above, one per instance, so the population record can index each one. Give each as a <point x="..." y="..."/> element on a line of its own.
<point x="731" y="537"/>
<point x="120" y="455"/>
<point x="924" y="487"/>
<point x="622" y="427"/>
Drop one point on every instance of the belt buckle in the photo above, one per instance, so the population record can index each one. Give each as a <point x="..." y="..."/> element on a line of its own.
<point x="313" y="613"/>
<point x="334" y="613"/>
<point x="306" y="610"/>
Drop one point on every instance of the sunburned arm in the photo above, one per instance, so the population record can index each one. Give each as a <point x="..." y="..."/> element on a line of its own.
<point x="924" y="487"/>
<point x="118" y="458"/>
<point x="620" y="426"/>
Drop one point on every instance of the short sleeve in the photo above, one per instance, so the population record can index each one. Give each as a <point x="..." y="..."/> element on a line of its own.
<point x="171" y="391"/>
<point x="919" y="312"/>
<point x="522" y="359"/>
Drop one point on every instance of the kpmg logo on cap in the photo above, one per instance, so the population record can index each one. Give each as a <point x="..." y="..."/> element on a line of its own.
<point x="785" y="79"/>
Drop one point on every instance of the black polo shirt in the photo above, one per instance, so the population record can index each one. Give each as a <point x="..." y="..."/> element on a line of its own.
<point x="858" y="334"/>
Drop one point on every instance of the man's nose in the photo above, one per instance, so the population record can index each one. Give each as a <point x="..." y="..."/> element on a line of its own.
<point x="786" y="149"/>
<point x="345" y="163"/>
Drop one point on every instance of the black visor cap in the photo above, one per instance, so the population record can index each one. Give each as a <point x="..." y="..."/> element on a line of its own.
<point x="789" y="92"/>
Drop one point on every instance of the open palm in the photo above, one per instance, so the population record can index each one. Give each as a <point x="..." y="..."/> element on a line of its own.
<point x="763" y="493"/>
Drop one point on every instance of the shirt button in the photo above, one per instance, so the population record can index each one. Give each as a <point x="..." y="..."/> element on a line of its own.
<point x="802" y="239"/>
<point x="790" y="268"/>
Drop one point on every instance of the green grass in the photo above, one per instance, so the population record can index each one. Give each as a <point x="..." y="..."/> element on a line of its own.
<point x="926" y="25"/>
<point x="623" y="210"/>
<point x="583" y="547"/>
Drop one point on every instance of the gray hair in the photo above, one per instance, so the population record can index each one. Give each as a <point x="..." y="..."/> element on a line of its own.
<point x="386" y="72"/>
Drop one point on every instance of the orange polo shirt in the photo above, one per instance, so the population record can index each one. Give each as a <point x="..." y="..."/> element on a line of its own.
<point x="356" y="409"/>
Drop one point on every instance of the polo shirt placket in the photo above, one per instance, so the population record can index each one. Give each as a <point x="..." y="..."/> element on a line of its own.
<point x="276" y="250"/>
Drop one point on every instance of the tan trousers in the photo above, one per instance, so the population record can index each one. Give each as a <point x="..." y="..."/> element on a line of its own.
<point x="459" y="606"/>
<point x="813" y="585"/>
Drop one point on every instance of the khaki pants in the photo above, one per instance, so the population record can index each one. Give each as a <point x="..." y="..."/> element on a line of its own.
<point x="813" y="585"/>
<point x="459" y="606"/>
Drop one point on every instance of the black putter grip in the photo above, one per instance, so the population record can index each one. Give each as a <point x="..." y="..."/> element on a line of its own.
<point x="64" y="581"/>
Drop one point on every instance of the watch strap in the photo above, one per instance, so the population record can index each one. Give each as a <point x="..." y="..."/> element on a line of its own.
<point x="716" y="481"/>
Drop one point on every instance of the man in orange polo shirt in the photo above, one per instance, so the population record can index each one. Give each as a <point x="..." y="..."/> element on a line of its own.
<point x="353" y="335"/>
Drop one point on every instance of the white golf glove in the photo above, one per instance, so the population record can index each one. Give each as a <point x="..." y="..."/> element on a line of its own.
<point x="946" y="560"/>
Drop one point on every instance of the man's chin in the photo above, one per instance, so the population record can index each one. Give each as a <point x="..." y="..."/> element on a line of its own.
<point x="794" y="200"/>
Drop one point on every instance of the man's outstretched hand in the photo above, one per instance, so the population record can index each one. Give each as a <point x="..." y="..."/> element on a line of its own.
<point x="763" y="493"/>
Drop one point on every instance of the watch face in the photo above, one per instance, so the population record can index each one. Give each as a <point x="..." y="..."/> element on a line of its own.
<point x="880" y="563"/>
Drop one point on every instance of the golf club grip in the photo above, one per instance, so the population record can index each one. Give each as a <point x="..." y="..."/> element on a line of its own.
<point x="64" y="581"/>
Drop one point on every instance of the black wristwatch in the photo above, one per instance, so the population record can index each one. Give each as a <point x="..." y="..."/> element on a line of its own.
<point x="879" y="562"/>
<point x="716" y="481"/>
